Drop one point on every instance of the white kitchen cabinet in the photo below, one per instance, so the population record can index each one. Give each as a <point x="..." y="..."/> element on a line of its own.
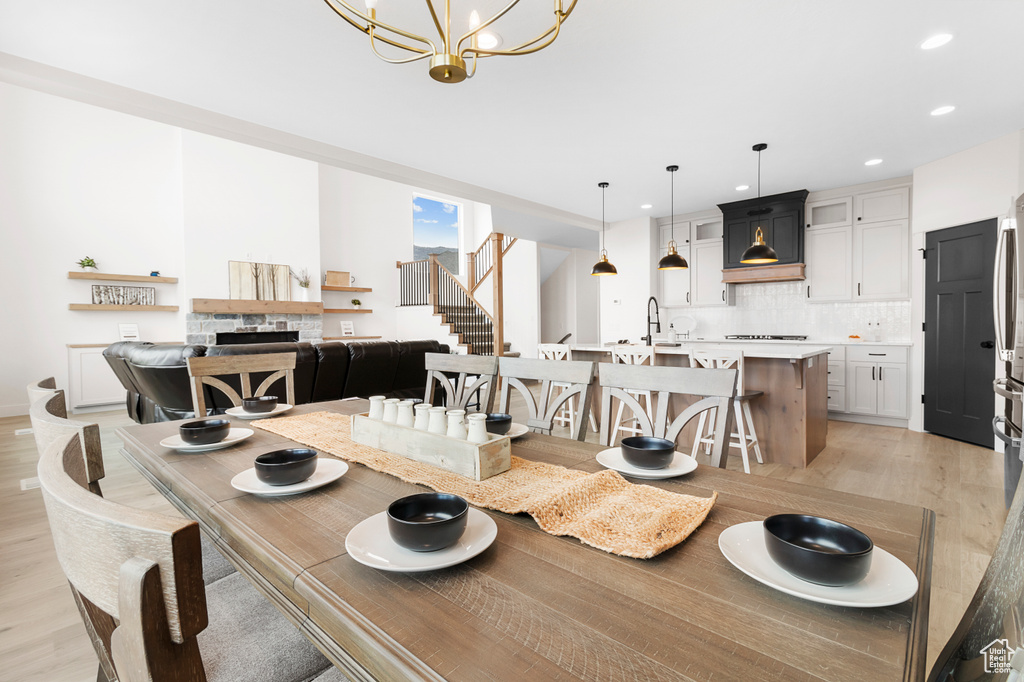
<point x="883" y="206"/>
<point x="828" y="213"/>
<point x="708" y="289"/>
<point x="675" y="284"/>
<point x="828" y="254"/>
<point x="706" y="229"/>
<point x="91" y="381"/>
<point x="876" y="381"/>
<point x="881" y="261"/>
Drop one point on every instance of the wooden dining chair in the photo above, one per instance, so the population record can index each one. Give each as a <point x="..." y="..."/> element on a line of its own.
<point x="542" y="408"/>
<point x="138" y="575"/>
<point x="567" y="415"/>
<point x="716" y="387"/>
<point x="41" y="389"/>
<point x="475" y="376"/>
<point x="745" y="437"/>
<point x="992" y="627"/>
<point x="205" y="371"/>
<point x="49" y="424"/>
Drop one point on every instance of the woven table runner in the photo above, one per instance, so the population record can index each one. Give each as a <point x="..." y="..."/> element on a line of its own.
<point x="602" y="510"/>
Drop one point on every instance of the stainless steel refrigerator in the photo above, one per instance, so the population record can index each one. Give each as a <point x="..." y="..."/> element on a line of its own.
<point x="1009" y="320"/>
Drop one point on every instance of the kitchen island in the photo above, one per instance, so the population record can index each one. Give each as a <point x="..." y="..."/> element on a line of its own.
<point x="791" y="418"/>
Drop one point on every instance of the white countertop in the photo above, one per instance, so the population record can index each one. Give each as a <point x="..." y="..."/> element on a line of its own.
<point x="751" y="349"/>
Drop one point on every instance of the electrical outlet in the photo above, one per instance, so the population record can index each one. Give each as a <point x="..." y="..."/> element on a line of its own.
<point x="616" y="301"/>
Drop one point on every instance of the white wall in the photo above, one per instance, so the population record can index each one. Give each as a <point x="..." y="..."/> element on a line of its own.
<point x="632" y="248"/>
<point x="245" y="203"/>
<point x="77" y="180"/>
<point x="571" y="300"/>
<point x="972" y="185"/>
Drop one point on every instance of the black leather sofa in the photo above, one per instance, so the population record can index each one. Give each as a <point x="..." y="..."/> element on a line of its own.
<point x="158" y="387"/>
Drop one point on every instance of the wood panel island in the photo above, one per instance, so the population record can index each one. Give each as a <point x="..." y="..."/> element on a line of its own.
<point x="791" y="418"/>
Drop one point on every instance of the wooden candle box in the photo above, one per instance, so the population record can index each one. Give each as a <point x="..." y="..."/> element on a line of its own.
<point x="478" y="461"/>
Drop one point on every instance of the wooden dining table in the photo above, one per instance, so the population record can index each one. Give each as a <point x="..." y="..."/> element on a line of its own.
<point x="534" y="606"/>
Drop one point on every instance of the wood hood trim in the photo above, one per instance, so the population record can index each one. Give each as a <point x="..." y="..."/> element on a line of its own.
<point x="764" y="273"/>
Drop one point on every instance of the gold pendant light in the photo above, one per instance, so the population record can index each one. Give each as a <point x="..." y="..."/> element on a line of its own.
<point x="448" y="53"/>
<point x="672" y="260"/>
<point x="603" y="267"/>
<point x="759" y="253"/>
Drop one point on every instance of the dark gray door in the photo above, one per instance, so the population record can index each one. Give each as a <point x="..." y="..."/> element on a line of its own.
<point x="959" y="340"/>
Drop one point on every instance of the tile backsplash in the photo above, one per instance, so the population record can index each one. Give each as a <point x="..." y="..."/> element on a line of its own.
<point x="783" y="308"/>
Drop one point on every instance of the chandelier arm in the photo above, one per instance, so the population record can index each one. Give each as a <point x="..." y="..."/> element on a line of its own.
<point x="373" y="46"/>
<point x="433" y="15"/>
<point x="519" y="49"/>
<point x="381" y="25"/>
<point x="472" y="73"/>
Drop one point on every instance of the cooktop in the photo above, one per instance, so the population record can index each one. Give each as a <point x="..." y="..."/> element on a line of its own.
<point x="766" y="337"/>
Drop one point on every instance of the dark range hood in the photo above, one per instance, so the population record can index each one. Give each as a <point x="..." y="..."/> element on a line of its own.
<point x="781" y="219"/>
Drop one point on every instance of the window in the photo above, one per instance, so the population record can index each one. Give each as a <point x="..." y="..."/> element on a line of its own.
<point x="435" y="229"/>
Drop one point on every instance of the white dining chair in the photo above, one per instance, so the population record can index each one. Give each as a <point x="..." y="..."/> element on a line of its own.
<point x="567" y="415"/>
<point x="745" y="437"/>
<point x="636" y="356"/>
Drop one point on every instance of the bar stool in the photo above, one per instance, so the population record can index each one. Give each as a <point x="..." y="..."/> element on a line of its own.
<point x="633" y="355"/>
<point x="746" y="436"/>
<point x="567" y="415"/>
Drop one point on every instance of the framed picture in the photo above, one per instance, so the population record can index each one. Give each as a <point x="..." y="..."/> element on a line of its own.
<point x="348" y="328"/>
<point x="435" y="229"/>
<point x="259" y="281"/>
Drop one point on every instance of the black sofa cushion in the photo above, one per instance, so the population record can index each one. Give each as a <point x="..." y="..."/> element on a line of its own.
<point x="162" y="376"/>
<point x="305" y="370"/>
<point x="411" y="374"/>
<point x="331" y="370"/>
<point x="371" y="369"/>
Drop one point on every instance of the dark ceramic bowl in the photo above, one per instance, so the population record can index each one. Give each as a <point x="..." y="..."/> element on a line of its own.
<point x="286" y="467"/>
<point x="818" y="550"/>
<point x="427" y="522"/>
<point x="498" y="423"/>
<point x="259" y="405"/>
<point x="645" y="452"/>
<point x="204" y="431"/>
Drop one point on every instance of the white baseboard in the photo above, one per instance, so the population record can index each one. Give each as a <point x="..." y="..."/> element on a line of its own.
<point x="868" y="419"/>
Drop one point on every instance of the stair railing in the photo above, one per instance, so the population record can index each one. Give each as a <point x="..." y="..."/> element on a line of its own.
<point x="428" y="282"/>
<point x="482" y="261"/>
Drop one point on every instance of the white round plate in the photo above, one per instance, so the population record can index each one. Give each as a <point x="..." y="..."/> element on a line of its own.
<point x="370" y="544"/>
<point x="517" y="430"/>
<point x="890" y="581"/>
<point x="327" y="471"/>
<point x="240" y="412"/>
<point x="234" y="436"/>
<point x="612" y="459"/>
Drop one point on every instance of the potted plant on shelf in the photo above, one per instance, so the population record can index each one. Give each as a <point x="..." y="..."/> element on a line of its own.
<point x="88" y="264"/>
<point x="356" y="303"/>
<point x="303" y="279"/>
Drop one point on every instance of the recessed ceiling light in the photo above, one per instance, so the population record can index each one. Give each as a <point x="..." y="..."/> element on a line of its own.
<point x="936" y="41"/>
<point x="872" y="162"/>
<point x="646" y="206"/>
<point x="942" y="111"/>
<point x="740" y="188"/>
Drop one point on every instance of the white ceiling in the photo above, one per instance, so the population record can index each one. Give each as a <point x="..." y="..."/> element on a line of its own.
<point x="627" y="89"/>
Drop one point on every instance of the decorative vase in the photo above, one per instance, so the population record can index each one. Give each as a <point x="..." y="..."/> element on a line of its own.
<point x="391" y="410"/>
<point x="421" y="420"/>
<point x="376" y="407"/>
<point x="405" y="417"/>
<point x="477" y="428"/>
<point x="436" y="423"/>
<point x="304" y="294"/>
<point x="456" y="425"/>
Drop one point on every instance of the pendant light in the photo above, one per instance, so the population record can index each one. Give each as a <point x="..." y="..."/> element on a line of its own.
<point x="759" y="252"/>
<point x="672" y="260"/>
<point x="603" y="267"/>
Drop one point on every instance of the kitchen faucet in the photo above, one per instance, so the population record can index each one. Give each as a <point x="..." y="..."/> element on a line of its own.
<point x="657" y="320"/>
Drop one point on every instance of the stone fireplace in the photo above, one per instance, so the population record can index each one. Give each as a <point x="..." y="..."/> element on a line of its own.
<point x="202" y="328"/>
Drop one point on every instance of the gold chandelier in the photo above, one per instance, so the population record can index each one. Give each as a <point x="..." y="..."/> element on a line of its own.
<point x="447" y="55"/>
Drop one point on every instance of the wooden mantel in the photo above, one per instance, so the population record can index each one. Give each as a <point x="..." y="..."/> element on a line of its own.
<point x="247" y="307"/>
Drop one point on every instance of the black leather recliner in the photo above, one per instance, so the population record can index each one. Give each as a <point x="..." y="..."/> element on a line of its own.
<point x="115" y="355"/>
<point x="162" y="377"/>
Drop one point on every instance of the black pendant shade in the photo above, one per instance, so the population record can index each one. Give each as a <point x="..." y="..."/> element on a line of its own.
<point x="672" y="260"/>
<point x="603" y="266"/>
<point x="759" y="253"/>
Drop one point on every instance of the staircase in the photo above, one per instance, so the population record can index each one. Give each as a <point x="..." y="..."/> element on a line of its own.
<point x="428" y="282"/>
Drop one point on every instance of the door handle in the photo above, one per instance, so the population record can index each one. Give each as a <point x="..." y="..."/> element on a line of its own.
<point x="988" y="344"/>
<point x="808" y="291"/>
<point x="1006" y="339"/>
<point x="723" y="294"/>
<point x="687" y="296"/>
<point x="879" y="373"/>
<point x="872" y="373"/>
<point x="858" y="288"/>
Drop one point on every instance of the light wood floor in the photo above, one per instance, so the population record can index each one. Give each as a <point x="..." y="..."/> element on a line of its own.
<point x="42" y="638"/>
